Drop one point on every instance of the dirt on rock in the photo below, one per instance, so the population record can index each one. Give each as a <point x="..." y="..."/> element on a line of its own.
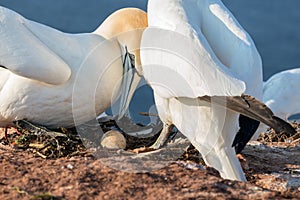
<point x="272" y="169"/>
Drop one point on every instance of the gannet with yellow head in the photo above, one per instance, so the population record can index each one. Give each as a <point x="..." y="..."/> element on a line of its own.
<point x="40" y="67"/>
<point x="127" y="26"/>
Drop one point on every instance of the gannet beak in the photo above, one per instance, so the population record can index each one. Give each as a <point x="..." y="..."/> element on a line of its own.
<point x="130" y="82"/>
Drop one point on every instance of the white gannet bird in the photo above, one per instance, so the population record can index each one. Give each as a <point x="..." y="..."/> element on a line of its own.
<point x="198" y="60"/>
<point x="40" y="65"/>
<point x="281" y="93"/>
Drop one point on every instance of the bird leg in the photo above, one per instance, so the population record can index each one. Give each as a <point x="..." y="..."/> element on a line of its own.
<point x="163" y="137"/>
<point x="161" y="140"/>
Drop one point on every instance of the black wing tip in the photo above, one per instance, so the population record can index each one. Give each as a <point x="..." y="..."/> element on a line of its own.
<point x="1" y="66"/>
<point x="239" y="143"/>
<point x="284" y="126"/>
<point x="247" y="129"/>
<point x="239" y="147"/>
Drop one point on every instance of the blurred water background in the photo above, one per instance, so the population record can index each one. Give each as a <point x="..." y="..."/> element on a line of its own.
<point x="273" y="24"/>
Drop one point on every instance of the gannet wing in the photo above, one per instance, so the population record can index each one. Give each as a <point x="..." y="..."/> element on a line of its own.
<point x="179" y="66"/>
<point x="253" y="108"/>
<point x="23" y="53"/>
<point x="232" y="45"/>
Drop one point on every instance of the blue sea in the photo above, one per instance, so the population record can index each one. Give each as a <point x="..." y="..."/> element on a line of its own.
<point x="273" y="24"/>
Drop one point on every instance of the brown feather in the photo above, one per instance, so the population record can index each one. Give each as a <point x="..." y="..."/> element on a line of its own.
<point x="253" y="108"/>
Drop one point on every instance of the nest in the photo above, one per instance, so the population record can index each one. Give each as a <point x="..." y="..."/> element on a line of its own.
<point x="66" y="142"/>
<point x="44" y="142"/>
<point x="270" y="136"/>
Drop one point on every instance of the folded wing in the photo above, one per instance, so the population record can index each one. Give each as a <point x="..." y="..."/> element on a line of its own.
<point x="178" y="66"/>
<point x="25" y="54"/>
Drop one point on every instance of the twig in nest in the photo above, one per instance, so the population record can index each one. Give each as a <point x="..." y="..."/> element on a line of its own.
<point x="148" y="114"/>
<point x="41" y="155"/>
<point x="47" y="143"/>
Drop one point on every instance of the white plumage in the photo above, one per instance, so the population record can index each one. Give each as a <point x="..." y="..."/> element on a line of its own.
<point x="194" y="48"/>
<point x="282" y="93"/>
<point x="41" y="67"/>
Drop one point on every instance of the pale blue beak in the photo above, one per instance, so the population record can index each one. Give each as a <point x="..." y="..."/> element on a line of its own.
<point x="130" y="82"/>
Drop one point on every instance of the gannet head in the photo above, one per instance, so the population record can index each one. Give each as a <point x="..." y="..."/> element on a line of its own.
<point x="127" y="26"/>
